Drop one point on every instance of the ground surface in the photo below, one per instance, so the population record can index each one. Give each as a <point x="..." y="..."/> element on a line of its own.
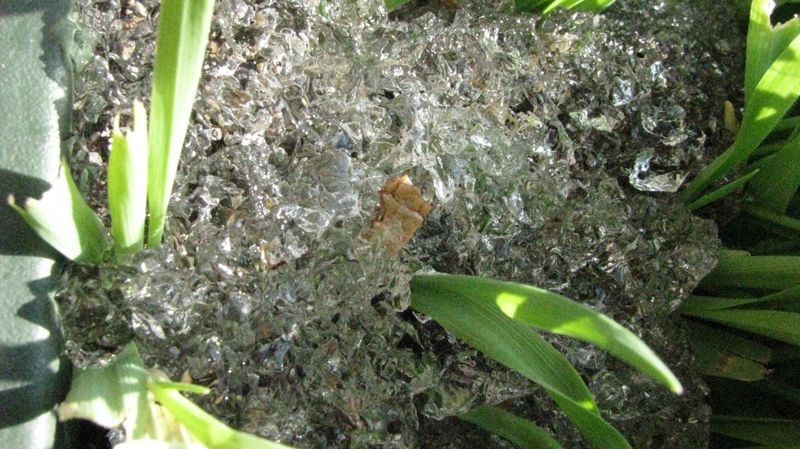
<point x="548" y="147"/>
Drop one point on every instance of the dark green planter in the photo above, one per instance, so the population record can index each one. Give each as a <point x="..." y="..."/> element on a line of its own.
<point x="35" y="108"/>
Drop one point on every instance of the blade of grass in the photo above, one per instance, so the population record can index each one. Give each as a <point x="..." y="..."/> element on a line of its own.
<point x="554" y="313"/>
<point x="780" y="325"/>
<point x="202" y="426"/>
<point x="755" y="272"/>
<point x="483" y="326"/>
<point x="764" y="44"/>
<point x="522" y="432"/>
<point x="766" y="431"/>
<point x="774" y="217"/>
<point x="594" y="5"/>
<point x="724" y="341"/>
<point x="774" y="94"/>
<point x="394" y="4"/>
<point x="722" y="192"/>
<point x="722" y="354"/>
<point x="695" y="303"/>
<point x="127" y="185"/>
<point x="64" y="220"/>
<point x="779" y="177"/>
<point x="183" y="28"/>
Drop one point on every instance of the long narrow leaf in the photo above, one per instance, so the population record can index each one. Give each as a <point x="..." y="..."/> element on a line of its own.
<point x="64" y="220"/>
<point x="481" y="324"/>
<point x="183" y="29"/>
<point x="554" y="313"/>
<point x="754" y="272"/>
<point x="394" y="4"/>
<point x="522" y="432"/>
<point x="127" y="184"/>
<point x="696" y="303"/>
<point x="779" y="178"/>
<point x="775" y="217"/>
<point x="780" y="325"/>
<point x="771" y="432"/>
<point x="202" y="426"/>
<point x="722" y="192"/>
<point x="723" y="354"/>
<point x="764" y="43"/>
<point x="774" y="94"/>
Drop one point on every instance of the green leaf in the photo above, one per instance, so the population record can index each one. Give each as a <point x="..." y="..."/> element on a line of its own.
<point x="478" y="321"/>
<point x="768" y="431"/>
<point x="774" y="94"/>
<point x="64" y="220"/>
<point x="554" y="313"/>
<point x="183" y="28"/>
<point x="394" y="4"/>
<point x="111" y="396"/>
<point x="722" y="192"/>
<point x="779" y="177"/>
<point x="127" y="184"/>
<point x="753" y="272"/>
<point x="722" y="354"/>
<point x="522" y="432"/>
<point x="696" y="303"/>
<point x="774" y="217"/>
<point x="593" y="5"/>
<point x="780" y="325"/>
<point x="548" y="6"/>
<point x="764" y="43"/>
<point x="202" y="426"/>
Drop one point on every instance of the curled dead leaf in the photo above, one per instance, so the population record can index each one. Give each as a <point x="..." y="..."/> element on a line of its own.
<point x="400" y="214"/>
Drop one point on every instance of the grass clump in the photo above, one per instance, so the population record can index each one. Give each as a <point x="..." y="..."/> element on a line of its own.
<point x="745" y="315"/>
<point x="143" y="162"/>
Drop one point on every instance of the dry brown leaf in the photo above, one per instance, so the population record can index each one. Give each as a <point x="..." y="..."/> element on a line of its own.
<point x="400" y="213"/>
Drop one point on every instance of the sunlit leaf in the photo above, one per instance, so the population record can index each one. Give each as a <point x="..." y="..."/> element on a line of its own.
<point x="64" y="220"/>
<point x="183" y="28"/>
<point x="127" y="184"/>
<point x="554" y="313"/>
<point x="111" y="396"/>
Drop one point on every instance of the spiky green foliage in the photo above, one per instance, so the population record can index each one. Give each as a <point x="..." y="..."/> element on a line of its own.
<point x="64" y="220"/>
<point x="180" y="50"/>
<point x="746" y="312"/>
<point x="149" y="408"/>
<point x="498" y="318"/>
<point x="127" y="184"/>
<point x="143" y="163"/>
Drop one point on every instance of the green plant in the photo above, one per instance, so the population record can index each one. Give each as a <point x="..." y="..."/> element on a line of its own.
<point x="149" y="408"/>
<point x="540" y="6"/>
<point x="745" y="315"/>
<point x="498" y="319"/>
<point x="143" y="162"/>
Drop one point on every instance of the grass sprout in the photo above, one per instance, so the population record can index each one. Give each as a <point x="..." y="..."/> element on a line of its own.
<point x="64" y="220"/>
<point x="771" y="89"/>
<point x="497" y="318"/>
<point x="127" y="184"/>
<point x="149" y="408"/>
<point x="180" y="49"/>
<point x="143" y="162"/>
